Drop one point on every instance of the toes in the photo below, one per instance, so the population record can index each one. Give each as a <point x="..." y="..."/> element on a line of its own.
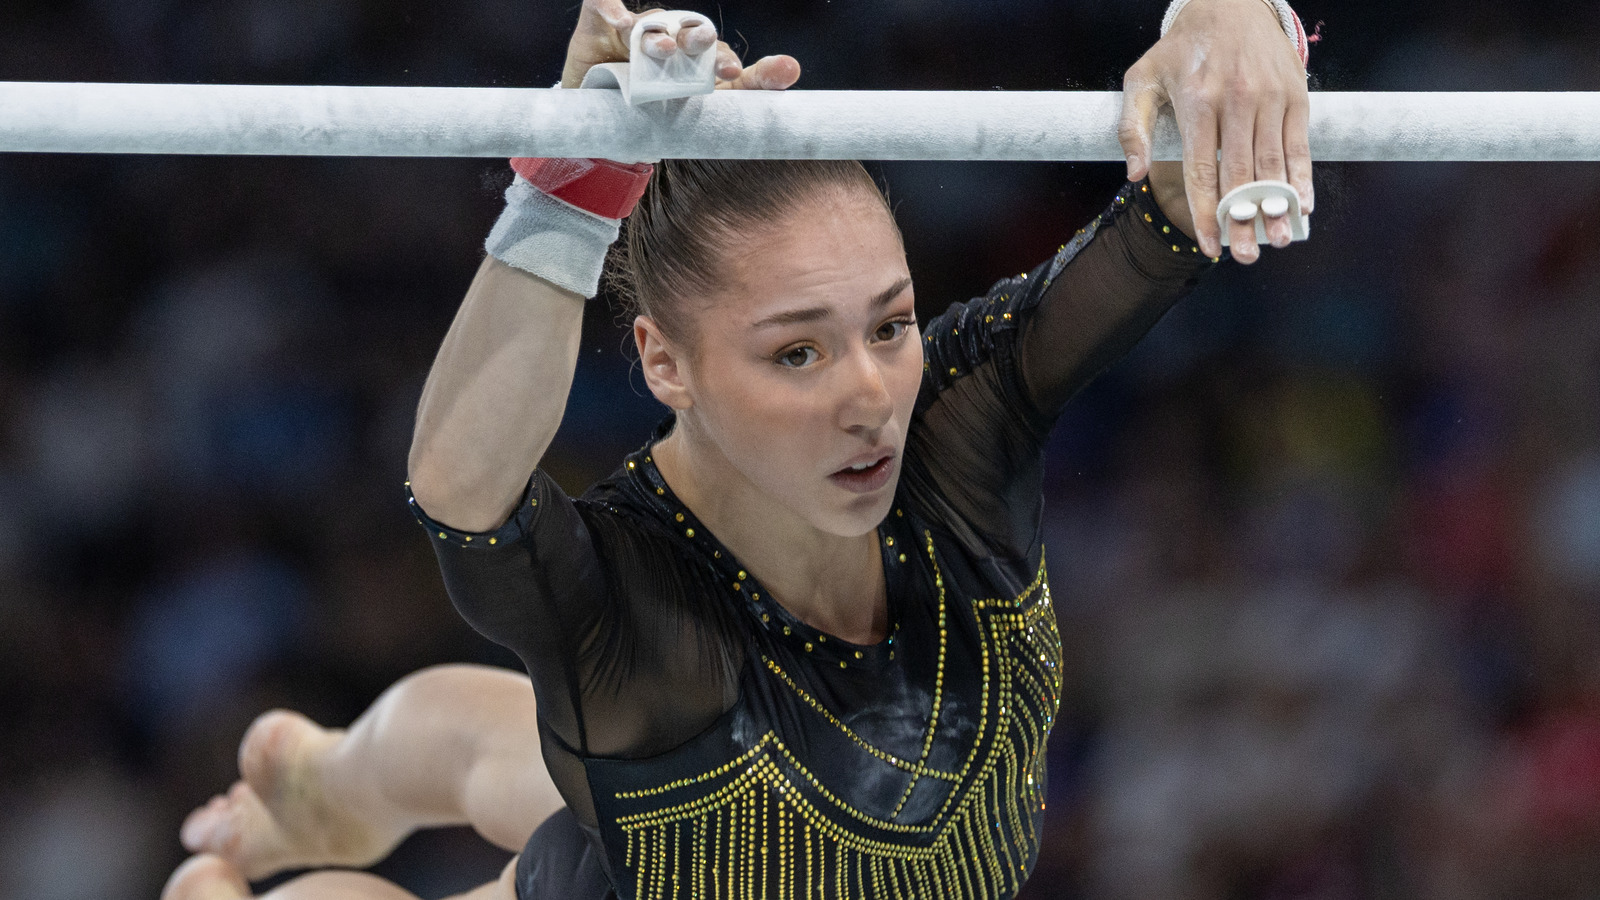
<point x="239" y="829"/>
<point x="195" y="833"/>
<point x="269" y="746"/>
<point x="219" y="826"/>
<point x="206" y="877"/>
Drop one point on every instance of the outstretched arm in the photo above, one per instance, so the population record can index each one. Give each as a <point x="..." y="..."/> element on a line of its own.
<point x="1236" y="82"/>
<point x="499" y="386"/>
<point x="1143" y="259"/>
<point x="494" y="396"/>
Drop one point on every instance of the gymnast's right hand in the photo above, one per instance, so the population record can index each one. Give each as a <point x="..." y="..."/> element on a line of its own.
<point x="602" y="37"/>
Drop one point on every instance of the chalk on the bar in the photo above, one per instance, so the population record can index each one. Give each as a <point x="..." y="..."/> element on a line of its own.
<point x="327" y="120"/>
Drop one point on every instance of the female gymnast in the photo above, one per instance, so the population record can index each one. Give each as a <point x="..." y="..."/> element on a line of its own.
<point x="800" y="643"/>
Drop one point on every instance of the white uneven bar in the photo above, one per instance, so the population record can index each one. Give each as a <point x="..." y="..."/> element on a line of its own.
<point x="951" y="125"/>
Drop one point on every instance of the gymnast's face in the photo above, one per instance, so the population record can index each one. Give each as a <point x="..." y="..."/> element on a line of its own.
<point x="806" y="363"/>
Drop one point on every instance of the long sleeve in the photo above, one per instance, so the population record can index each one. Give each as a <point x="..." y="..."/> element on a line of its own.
<point x="1102" y="296"/>
<point x="1000" y="368"/>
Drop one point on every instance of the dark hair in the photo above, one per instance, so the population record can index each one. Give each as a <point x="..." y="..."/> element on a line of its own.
<point x="693" y="211"/>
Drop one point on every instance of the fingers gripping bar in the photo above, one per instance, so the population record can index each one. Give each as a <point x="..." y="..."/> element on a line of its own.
<point x="646" y="79"/>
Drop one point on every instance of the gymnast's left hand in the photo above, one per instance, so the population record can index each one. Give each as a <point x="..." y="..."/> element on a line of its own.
<point x="1235" y="82"/>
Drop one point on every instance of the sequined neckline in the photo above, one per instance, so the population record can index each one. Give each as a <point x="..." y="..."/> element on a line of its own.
<point x="895" y="546"/>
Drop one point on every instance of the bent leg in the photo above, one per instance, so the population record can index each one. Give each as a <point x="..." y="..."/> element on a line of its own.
<point x="213" y="878"/>
<point x="447" y="745"/>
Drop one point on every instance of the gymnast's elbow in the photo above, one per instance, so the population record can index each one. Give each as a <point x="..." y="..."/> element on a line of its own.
<point x="457" y="494"/>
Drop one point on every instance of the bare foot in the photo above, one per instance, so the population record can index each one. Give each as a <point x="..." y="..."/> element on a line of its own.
<point x="206" y="878"/>
<point x="279" y="817"/>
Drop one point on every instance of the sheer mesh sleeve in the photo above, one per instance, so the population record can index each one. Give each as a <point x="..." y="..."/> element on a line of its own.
<point x="1001" y="367"/>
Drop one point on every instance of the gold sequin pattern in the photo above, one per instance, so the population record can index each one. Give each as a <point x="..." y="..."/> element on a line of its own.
<point x="938" y="678"/>
<point x="764" y="826"/>
<point x="916" y="768"/>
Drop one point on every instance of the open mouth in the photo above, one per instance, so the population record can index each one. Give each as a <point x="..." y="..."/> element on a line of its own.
<point x="865" y="477"/>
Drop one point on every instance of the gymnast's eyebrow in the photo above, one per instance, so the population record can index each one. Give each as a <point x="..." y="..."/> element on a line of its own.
<point x="817" y="313"/>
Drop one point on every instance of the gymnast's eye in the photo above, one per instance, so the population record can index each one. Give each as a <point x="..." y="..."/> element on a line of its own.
<point x="894" y="328"/>
<point x="798" y="357"/>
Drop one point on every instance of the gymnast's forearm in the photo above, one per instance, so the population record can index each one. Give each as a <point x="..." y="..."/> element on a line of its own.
<point x="494" y="397"/>
<point x="1112" y="293"/>
<point x="1107" y="326"/>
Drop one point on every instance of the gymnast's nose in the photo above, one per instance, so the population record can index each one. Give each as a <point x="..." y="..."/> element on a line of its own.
<point x="867" y="403"/>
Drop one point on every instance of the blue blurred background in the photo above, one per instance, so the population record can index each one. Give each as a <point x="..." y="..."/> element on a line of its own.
<point x="1326" y="547"/>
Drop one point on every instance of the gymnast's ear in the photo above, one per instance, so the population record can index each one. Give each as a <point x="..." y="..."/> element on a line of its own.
<point x="661" y="361"/>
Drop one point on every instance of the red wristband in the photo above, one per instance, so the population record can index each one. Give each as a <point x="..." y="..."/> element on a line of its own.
<point x="600" y="186"/>
<point x="1302" y="41"/>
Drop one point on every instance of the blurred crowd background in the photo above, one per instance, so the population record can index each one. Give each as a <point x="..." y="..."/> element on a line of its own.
<point x="1325" y="549"/>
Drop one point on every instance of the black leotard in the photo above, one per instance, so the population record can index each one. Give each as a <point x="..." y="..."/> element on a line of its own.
<point x="712" y="745"/>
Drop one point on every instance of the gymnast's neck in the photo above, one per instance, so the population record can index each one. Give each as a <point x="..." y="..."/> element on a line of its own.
<point x="833" y="583"/>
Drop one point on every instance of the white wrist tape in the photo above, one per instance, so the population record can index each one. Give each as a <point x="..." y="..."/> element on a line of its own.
<point x="552" y="239"/>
